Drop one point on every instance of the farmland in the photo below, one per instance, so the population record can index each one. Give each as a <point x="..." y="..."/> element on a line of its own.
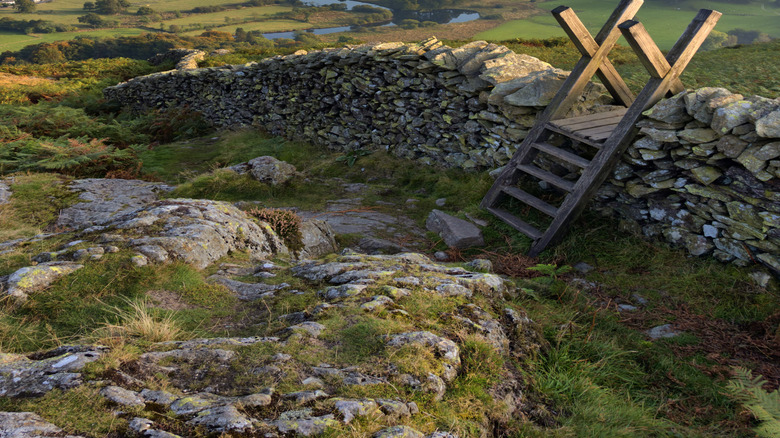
<point x="664" y="22"/>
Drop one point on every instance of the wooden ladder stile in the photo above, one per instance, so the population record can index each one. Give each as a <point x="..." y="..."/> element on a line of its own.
<point x="610" y="132"/>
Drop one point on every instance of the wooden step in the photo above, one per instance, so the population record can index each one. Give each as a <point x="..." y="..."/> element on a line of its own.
<point x="531" y="200"/>
<point x="562" y="154"/>
<point x="516" y="223"/>
<point x="590" y="118"/>
<point x="546" y="176"/>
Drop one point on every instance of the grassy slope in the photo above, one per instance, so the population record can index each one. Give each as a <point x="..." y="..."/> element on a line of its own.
<point x="601" y="375"/>
<point x="664" y="22"/>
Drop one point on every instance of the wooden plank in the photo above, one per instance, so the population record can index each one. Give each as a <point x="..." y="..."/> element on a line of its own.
<point x="581" y="38"/>
<point x="562" y="154"/>
<point x="586" y="67"/>
<point x="588" y="133"/>
<point x="516" y="223"/>
<point x="614" y="146"/>
<point x="574" y="136"/>
<point x="593" y="124"/>
<point x="531" y="200"/>
<point x="648" y="52"/>
<point x="590" y="117"/>
<point x="546" y="176"/>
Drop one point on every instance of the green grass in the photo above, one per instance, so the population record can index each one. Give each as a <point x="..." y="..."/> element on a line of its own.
<point x="219" y="18"/>
<point x="665" y="23"/>
<point x="18" y="42"/>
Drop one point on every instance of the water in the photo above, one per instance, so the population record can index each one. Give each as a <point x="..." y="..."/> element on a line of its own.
<point x="441" y="16"/>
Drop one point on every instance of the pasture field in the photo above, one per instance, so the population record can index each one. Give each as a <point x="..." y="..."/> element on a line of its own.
<point x="218" y="18"/>
<point x="664" y="23"/>
<point x="263" y="26"/>
<point x="13" y="42"/>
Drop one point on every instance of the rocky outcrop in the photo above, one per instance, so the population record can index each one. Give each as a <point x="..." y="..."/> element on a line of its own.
<point x="469" y="106"/>
<point x="30" y="279"/>
<point x="22" y="376"/>
<point x="267" y="170"/>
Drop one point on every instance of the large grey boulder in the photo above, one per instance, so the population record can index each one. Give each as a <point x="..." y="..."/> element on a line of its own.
<point x="267" y="169"/>
<point x="197" y="232"/>
<point x="457" y="233"/>
<point x="769" y="125"/>
<point x="5" y="192"/>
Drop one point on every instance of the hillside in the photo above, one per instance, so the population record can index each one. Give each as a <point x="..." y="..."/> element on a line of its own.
<point x="159" y="280"/>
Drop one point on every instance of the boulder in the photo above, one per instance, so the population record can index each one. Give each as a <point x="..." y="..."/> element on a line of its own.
<point x="318" y="239"/>
<point x="457" y="233"/>
<point x="267" y="170"/>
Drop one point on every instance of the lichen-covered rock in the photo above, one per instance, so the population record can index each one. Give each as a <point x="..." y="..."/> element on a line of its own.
<point x="27" y="425"/>
<point x="769" y="125"/>
<point x="444" y="349"/>
<point x="267" y="169"/>
<point x="27" y="280"/>
<point x="122" y="396"/>
<point x="197" y="232"/>
<point x="318" y="239"/>
<point x="58" y="368"/>
<point x="104" y="199"/>
<point x="5" y="192"/>
<point x="303" y="423"/>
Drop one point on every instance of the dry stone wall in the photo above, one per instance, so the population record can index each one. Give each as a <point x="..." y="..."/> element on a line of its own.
<point x="702" y="174"/>
<point x="468" y="107"/>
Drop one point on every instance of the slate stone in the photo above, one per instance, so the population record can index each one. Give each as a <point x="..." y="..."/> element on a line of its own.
<point x="457" y="233"/>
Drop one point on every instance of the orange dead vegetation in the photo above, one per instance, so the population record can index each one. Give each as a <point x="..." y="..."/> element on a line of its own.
<point x="8" y="79"/>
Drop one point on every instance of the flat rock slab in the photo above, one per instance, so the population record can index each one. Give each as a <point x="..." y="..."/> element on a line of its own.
<point x="33" y="278"/>
<point x="103" y="199"/>
<point x="457" y="233"/>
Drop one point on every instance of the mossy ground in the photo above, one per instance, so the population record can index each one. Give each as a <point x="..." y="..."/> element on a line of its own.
<point x="600" y="377"/>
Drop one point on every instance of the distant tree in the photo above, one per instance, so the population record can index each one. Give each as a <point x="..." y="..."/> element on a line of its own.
<point x="24" y="6"/>
<point x="175" y="28"/>
<point x="241" y="34"/>
<point x="144" y="10"/>
<point x="92" y="19"/>
<point x="89" y="6"/>
<point x="47" y="54"/>
<point x="111" y="6"/>
<point x="718" y="39"/>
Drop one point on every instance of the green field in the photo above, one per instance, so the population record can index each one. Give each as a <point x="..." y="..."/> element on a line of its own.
<point x="664" y="23"/>
<point x="262" y="26"/>
<point x="219" y="18"/>
<point x="15" y="41"/>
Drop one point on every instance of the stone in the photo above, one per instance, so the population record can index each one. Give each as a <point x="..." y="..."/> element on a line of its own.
<point x="26" y="425"/>
<point x="726" y="118"/>
<point x="122" y="396"/>
<point x="374" y="245"/>
<point x="706" y="174"/>
<point x="59" y="368"/>
<point x="310" y="328"/>
<point x="318" y="239"/>
<point x="27" y="280"/>
<point x="762" y="279"/>
<point x="139" y="424"/>
<point x="378" y="302"/>
<point x="480" y="265"/>
<point x="446" y="350"/>
<point x="671" y="110"/>
<point x="349" y="409"/>
<point x="248" y="291"/>
<point x="5" y="192"/>
<point x="197" y="232"/>
<point x="222" y="419"/>
<point x="302" y="423"/>
<point x="662" y="331"/>
<point x="457" y="233"/>
<point x="583" y="267"/>
<point x="104" y="199"/>
<point x="731" y="146"/>
<point x="267" y="170"/>
<point x="768" y="126"/>
<point x="398" y="432"/>
<point x="698" y="135"/>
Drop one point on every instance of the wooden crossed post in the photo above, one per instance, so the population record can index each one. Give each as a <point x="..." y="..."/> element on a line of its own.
<point x="609" y="132"/>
